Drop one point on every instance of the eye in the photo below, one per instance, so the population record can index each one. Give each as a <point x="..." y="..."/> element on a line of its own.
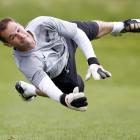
<point x="12" y="37"/>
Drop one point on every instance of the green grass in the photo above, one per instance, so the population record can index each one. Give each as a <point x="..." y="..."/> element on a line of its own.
<point x="113" y="114"/>
<point x="114" y="104"/>
<point x="113" y="111"/>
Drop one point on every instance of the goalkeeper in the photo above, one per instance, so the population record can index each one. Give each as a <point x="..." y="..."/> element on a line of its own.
<point x="44" y="52"/>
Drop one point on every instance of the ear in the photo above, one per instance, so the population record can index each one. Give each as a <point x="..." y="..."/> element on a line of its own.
<point x="7" y="44"/>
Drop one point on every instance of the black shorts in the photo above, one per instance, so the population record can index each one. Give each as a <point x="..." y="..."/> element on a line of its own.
<point x="69" y="78"/>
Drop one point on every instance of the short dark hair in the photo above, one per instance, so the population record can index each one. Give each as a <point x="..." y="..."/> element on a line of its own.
<point x="3" y="25"/>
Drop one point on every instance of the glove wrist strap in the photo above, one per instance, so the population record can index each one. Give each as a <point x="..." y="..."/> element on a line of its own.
<point x="62" y="99"/>
<point x="93" y="60"/>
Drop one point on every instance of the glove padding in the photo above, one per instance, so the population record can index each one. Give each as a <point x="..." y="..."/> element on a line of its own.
<point x="97" y="72"/>
<point x="76" y="100"/>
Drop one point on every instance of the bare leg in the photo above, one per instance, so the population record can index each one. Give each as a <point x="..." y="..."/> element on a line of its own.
<point x="40" y="93"/>
<point x="104" y="28"/>
<point x="116" y="28"/>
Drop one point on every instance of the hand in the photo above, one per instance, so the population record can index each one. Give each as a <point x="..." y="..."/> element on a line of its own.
<point x="97" y="72"/>
<point x="75" y="100"/>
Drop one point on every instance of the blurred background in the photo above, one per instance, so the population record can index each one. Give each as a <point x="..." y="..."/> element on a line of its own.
<point x="114" y="104"/>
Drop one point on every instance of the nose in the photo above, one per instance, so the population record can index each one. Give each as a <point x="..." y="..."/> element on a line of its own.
<point x="20" y="36"/>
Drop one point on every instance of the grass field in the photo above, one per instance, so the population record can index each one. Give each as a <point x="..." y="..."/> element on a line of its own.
<point x="114" y="104"/>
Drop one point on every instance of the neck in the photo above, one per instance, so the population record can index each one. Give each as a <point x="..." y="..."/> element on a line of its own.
<point x="23" y="49"/>
<point x="27" y="47"/>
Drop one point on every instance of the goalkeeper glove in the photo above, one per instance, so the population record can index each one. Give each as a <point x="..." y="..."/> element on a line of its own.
<point x="75" y="100"/>
<point x="96" y="70"/>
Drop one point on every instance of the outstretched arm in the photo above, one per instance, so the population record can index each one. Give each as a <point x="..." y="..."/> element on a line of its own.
<point x="76" y="100"/>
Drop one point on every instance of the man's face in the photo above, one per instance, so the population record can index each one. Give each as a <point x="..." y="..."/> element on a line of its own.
<point x="17" y="36"/>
